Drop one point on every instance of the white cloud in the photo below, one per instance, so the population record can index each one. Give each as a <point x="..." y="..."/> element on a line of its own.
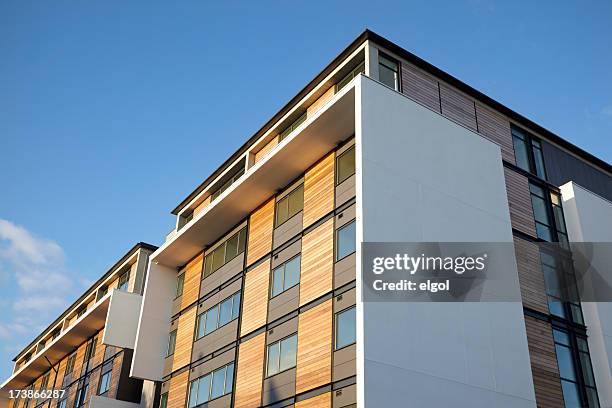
<point x="37" y="283"/>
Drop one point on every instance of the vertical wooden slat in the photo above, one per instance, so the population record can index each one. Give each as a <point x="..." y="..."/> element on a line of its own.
<point x="320" y="401"/>
<point x="266" y="149"/>
<point x="261" y="225"/>
<point x="458" y="106"/>
<point x="543" y="363"/>
<point x="249" y="375"/>
<point x="420" y="86"/>
<point x="531" y="277"/>
<point x="314" y="352"/>
<point x="191" y="285"/>
<point x="255" y="304"/>
<point x="319" y="190"/>
<point x="497" y="128"/>
<point x="317" y="262"/>
<point x="519" y="200"/>
<point x="184" y="339"/>
<point x="177" y="394"/>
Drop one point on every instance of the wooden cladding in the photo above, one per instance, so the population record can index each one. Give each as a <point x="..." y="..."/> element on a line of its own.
<point x="201" y="206"/>
<point x="184" y="339"/>
<point x="261" y="225"/>
<point x="496" y="128"/>
<point x="191" y="284"/>
<point x="531" y="277"/>
<point x="316" y="105"/>
<point x="255" y="304"/>
<point x="320" y="401"/>
<point x="314" y="351"/>
<point x="319" y="190"/>
<point x="249" y="375"/>
<point x="543" y="363"/>
<point x="519" y="201"/>
<point x="177" y="394"/>
<point x="420" y="86"/>
<point x="458" y="107"/>
<point x="266" y="149"/>
<point x="317" y="264"/>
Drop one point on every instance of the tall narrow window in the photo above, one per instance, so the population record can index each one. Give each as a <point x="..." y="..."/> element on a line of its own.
<point x="548" y="214"/>
<point x="290" y="205"/>
<point x="528" y="152"/>
<point x="345" y="165"/>
<point x="360" y="69"/>
<point x="281" y="355"/>
<point x="105" y="380"/>
<point x="171" y="343"/>
<point x="81" y="394"/>
<point x="388" y="71"/>
<point x="180" y="282"/>
<point x="286" y="276"/>
<point x="345" y="328"/>
<point x="70" y="364"/>
<point x="345" y="240"/>
<point x="124" y="280"/>
<point x="163" y="401"/>
<point x="561" y="288"/>
<point x="574" y="361"/>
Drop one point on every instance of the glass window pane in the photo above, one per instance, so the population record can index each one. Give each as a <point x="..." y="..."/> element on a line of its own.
<point x="539" y="163"/>
<point x="229" y="378"/>
<point x="236" y="306"/>
<point x="218" y="383"/>
<point x="171" y="343"/>
<point x="273" y="359"/>
<point x="277" y="280"/>
<point x="592" y="398"/>
<point x="296" y="201"/>
<point x="164" y="401"/>
<point x="204" y="389"/>
<point x="180" y="281"/>
<point x="552" y="280"/>
<point x="292" y="273"/>
<point x="582" y="344"/>
<point x="232" y="248"/>
<point x="543" y="232"/>
<point x="218" y="257"/>
<point x="225" y="313"/>
<point x="346" y="165"/>
<point x="566" y="363"/>
<point x="537" y="190"/>
<point x="345" y="241"/>
<point x="208" y="265"/>
<point x="241" y="240"/>
<point x="521" y="153"/>
<point x="559" y="219"/>
<point x="587" y="369"/>
<point x="539" y="210"/>
<point x="212" y="318"/>
<point x="561" y="337"/>
<point x="571" y="395"/>
<point x="282" y="211"/>
<point x="556" y="307"/>
<point x="387" y="77"/>
<point x="345" y="328"/>
<point x="201" y="325"/>
<point x="288" y="350"/>
<point x="193" y="394"/>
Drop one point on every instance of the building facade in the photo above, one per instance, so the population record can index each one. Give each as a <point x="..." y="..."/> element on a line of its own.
<point x="254" y="299"/>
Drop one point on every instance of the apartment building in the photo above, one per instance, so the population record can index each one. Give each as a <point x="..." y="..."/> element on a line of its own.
<point x="84" y="351"/>
<point x="254" y="299"/>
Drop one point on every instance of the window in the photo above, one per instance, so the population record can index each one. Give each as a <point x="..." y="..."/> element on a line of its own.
<point x="90" y="350"/>
<point x="561" y="288"/>
<point x="388" y="71"/>
<point x="548" y="214"/>
<point x="286" y="276"/>
<point x="225" y="252"/>
<point x="163" y="401"/>
<point x="224" y="186"/>
<point x="56" y="334"/>
<point x="345" y="165"/>
<point x="180" y="281"/>
<point x="345" y="328"/>
<point x="124" y="280"/>
<point x="70" y="364"/>
<point x="289" y="205"/>
<point x="171" y="343"/>
<point x="281" y="355"/>
<point x="528" y="152"/>
<point x="218" y="315"/>
<point x="574" y="361"/>
<point x="292" y="127"/>
<point x="349" y="77"/>
<point x="62" y="403"/>
<point x="44" y="382"/>
<point x="105" y="380"/>
<point x="81" y="394"/>
<point x="345" y="240"/>
<point x="81" y="311"/>
<point x="212" y="385"/>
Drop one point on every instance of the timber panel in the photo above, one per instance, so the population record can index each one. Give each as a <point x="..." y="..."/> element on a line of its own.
<point x="191" y="285"/>
<point x="314" y="351"/>
<point x="519" y="201"/>
<point x="261" y="226"/>
<point x="457" y="106"/>
<point x="177" y="394"/>
<point x="320" y="401"/>
<point x="266" y="149"/>
<point x="255" y="304"/>
<point x="420" y="86"/>
<point x="531" y="277"/>
<point x="99" y="351"/>
<point x="316" y="105"/>
<point x="544" y="363"/>
<point x="249" y="375"/>
<point x="319" y="190"/>
<point x="201" y="206"/>
<point x="317" y="264"/>
<point x="184" y="339"/>
<point x="497" y="128"/>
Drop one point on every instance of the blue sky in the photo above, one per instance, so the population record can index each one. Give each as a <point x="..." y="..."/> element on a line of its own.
<point x="111" y="112"/>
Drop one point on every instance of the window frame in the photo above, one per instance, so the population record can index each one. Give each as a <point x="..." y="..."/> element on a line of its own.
<point x="180" y="285"/>
<point x="279" y="343"/>
<point x="171" y="340"/>
<point x="124" y="286"/>
<point x="336" y="240"/>
<point x="553" y="223"/>
<point x="285" y="198"/>
<point x="349" y="150"/>
<point x="225" y="185"/>
<point x="532" y="143"/>
<point x="163" y="400"/>
<point x="208" y="258"/>
<point x="284" y="265"/>
<point x="211" y="385"/>
<point x="383" y="56"/>
<point x="336" y="331"/>
<point x="359" y="69"/>
<point x="202" y="318"/>
<point x="294" y="125"/>
<point x="108" y="373"/>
